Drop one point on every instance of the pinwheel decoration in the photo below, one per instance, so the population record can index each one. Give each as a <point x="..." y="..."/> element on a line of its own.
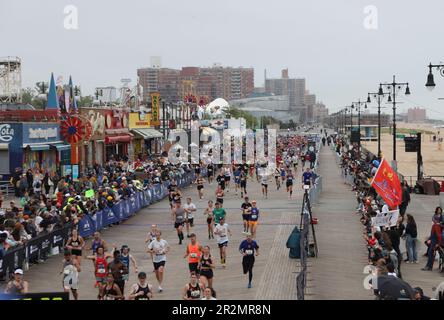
<point x="202" y="101"/>
<point x="73" y="130"/>
<point x="190" y="98"/>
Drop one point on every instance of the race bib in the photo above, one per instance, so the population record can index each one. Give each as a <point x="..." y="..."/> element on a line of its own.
<point x="253" y="216"/>
<point x="101" y="271"/>
<point x="193" y="255"/>
<point x="249" y="252"/>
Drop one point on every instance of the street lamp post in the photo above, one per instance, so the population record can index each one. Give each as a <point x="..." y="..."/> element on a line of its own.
<point x="430" y="78"/>
<point x="393" y="86"/>
<point x="358" y="105"/>
<point x="379" y="97"/>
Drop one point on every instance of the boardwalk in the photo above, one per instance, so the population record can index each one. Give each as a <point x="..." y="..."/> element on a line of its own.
<point x="337" y="272"/>
<point x="274" y="272"/>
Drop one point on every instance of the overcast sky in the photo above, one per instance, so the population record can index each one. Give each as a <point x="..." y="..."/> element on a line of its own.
<point x="324" y="41"/>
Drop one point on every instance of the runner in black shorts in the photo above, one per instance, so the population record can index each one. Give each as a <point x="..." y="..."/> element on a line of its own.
<point x="200" y="187"/>
<point x="210" y="219"/>
<point x="210" y="173"/>
<point x="206" y="266"/>
<point x="243" y="183"/>
<point x="290" y="183"/>
<point x="246" y="209"/>
<point x="221" y="180"/>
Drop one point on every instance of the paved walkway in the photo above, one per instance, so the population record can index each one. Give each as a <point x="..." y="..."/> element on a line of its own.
<point x="274" y="273"/>
<point x="337" y="272"/>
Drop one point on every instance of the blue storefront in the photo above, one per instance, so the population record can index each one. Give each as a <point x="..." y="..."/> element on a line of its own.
<point x="36" y="146"/>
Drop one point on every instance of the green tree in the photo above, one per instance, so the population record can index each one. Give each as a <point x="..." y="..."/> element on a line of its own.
<point x="27" y="95"/>
<point x="85" y="102"/>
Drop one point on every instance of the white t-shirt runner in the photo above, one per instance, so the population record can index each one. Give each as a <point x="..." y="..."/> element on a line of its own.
<point x="159" y="248"/>
<point x="190" y="206"/>
<point x="221" y="233"/>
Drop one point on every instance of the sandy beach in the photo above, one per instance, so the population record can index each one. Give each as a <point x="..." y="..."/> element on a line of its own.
<point x="433" y="158"/>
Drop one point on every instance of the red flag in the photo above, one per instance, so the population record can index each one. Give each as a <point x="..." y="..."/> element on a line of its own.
<point x="387" y="185"/>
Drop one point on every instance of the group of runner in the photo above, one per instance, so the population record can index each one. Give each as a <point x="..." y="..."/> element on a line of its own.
<point x="112" y="269"/>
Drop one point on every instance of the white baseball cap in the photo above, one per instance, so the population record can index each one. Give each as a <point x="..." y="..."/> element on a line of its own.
<point x="18" y="271"/>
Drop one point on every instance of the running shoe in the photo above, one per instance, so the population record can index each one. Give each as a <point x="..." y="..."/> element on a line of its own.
<point x="249" y="285"/>
<point x="160" y="289"/>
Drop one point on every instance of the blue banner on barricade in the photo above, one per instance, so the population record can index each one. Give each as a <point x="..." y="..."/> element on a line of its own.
<point x="147" y="198"/>
<point x="97" y="219"/>
<point x="118" y="211"/>
<point x="86" y="227"/>
<point x="132" y="205"/>
<point x="136" y="203"/>
<point x="109" y="217"/>
<point x="157" y="190"/>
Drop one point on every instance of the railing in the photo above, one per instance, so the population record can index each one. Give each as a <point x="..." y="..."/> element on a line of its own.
<point x="314" y="195"/>
<point x="6" y="188"/>
<point x="44" y="244"/>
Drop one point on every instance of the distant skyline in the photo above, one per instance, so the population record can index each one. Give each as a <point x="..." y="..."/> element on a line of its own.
<point x="327" y="42"/>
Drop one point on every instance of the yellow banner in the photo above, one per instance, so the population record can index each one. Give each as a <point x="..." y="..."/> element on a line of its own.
<point x="139" y="120"/>
<point x="155" y="102"/>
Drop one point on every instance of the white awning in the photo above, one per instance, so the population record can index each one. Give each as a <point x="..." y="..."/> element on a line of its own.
<point x="4" y="146"/>
<point x="148" y="133"/>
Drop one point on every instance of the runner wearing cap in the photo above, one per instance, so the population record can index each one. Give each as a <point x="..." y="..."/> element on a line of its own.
<point x="247" y="248"/>
<point x="141" y="290"/>
<point x="17" y="286"/>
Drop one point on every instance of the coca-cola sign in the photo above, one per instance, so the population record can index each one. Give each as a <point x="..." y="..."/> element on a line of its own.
<point x="6" y="132"/>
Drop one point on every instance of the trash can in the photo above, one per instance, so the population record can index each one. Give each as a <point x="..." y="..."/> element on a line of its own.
<point x="294" y="244"/>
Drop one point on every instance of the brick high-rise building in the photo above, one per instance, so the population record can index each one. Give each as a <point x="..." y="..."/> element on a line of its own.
<point x="294" y="88"/>
<point x="416" y="115"/>
<point x="213" y="82"/>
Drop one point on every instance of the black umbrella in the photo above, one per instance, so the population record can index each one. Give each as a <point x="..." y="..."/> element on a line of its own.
<point x="393" y="288"/>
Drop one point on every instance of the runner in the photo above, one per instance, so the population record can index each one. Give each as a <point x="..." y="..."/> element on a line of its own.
<point x="200" y="187"/>
<point x="152" y="234"/>
<point x="227" y="174"/>
<point x="210" y="219"/>
<point x="75" y="244"/>
<point x="178" y="215"/>
<point x="206" y="266"/>
<point x="220" y="195"/>
<point x="118" y="269"/>
<point x="243" y="183"/>
<point x="254" y="217"/>
<point x="209" y="294"/>
<point x="70" y="271"/>
<point x="126" y="257"/>
<point x="193" y="290"/>
<point x="210" y="173"/>
<point x="97" y="242"/>
<point x="307" y="177"/>
<point x="218" y="213"/>
<point x="237" y="174"/>
<point x="141" y="290"/>
<point x="100" y="261"/>
<point x="110" y="290"/>
<point x="197" y="171"/>
<point x="193" y="253"/>
<point x="221" y="180"/>
<point x="246" y="213"/>
<point x="290" y="184"/>
<point x="221" y="230"/>
<point x="283" y="174"/>
<point x="264" y="183"/>
<point x="17" y="285"/>
<point x="159" y="248"/>
<point x="277" y="173"/>
<point x="247" y="248"/>
<point x="189" y="208"/>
